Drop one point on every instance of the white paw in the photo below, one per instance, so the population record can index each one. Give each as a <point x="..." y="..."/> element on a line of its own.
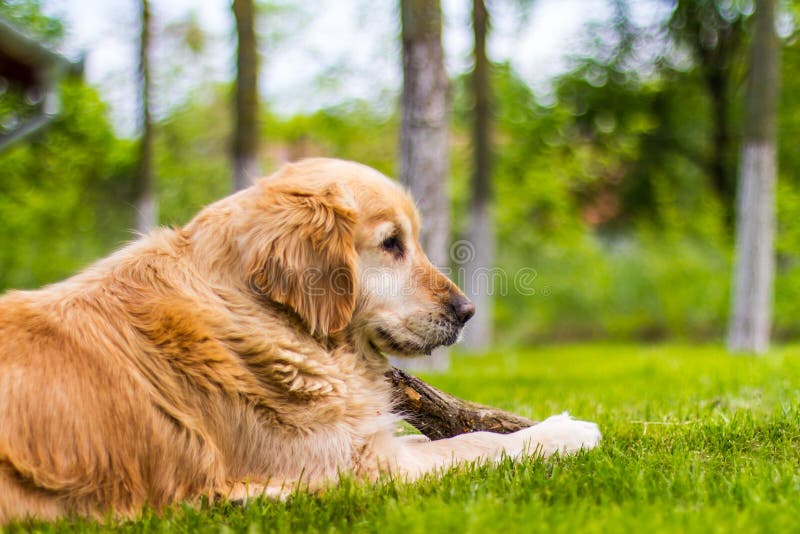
<point x="559" y="434"/>
<point x="244" y="492"/>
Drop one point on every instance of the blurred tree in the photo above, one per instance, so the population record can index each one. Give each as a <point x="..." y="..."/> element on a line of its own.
<point x="245" y="133"/>
<point x="65" y="195"/>
<point x="146" y="204"/>
<point x="479" y="253"/>
<point x="603" y="190"/>
<point x="713" y="31"/>
<point x="657" y="96"/>
<point x="181" y="63"/>
<point x="787" y="282"/>
<point x="66" y="192"/>
<point x="193" y="154"/>
<point x="751" y="319"/>
<point x="28" y="14"/>
<point x="423" y="135"/>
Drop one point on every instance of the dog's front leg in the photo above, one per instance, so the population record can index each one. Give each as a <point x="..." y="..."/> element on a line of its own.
<point x="557" y="434"/>
<point x="245" y="491"/>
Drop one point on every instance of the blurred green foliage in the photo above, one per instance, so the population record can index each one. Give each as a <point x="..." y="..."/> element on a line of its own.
<point x="65" y="196"/>
<point x="28" y="15"/>
<point x="609" y="189"/>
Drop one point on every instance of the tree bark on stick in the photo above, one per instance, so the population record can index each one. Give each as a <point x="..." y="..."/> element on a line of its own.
<point x="245" y="135"/>
<point x="751" y="317"/>
<point x="423" y="136"/>
<point x="439" y="415"/>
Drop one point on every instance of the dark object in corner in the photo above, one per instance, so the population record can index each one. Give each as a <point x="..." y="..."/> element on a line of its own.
<point x="30" y="73"/>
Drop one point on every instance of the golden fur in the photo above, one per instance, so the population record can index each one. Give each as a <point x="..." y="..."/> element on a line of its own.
<point x="236" y="355"/>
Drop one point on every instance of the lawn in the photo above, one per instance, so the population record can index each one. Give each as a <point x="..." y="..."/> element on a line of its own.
<point x="695" y="440"/>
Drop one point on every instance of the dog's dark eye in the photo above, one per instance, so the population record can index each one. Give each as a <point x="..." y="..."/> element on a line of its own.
<point x="393" y="245"/>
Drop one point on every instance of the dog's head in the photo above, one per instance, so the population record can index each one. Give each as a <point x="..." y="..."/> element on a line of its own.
<point x="337" y="242"/>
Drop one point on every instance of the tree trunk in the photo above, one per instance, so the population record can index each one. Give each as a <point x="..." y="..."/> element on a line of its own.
<point x="245" y="135"/>
<point x="750" y="323"/>
<point x="715" y="38"/>
<point x="717" y="83"/>
<point x="424" y="159"/>
<point x="147" y="214"/>
<point x="439" y="415"/>
<point x="478" y="252"/>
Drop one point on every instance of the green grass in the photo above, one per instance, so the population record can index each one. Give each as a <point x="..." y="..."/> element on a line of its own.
<point x="695" y="440"/>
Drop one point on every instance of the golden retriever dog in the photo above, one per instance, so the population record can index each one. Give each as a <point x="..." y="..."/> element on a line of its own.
<point x="240" y="355"/>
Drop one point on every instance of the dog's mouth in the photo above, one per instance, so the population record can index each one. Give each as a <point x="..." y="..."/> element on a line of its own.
<point x="414" y="344"/>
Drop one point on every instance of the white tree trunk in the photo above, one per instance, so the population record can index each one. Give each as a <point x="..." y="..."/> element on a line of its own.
<point x="755" y="257"/>
<point x="147" y="216"/>
<point x="147" y="212"/>
<point x="751" y="314"/>
<point x="245" y="171"/>
<point x="424" y="161"/>
<point x="478" y="258"/>
<point x="246" y="105"/>
<point x="479" y="262"/>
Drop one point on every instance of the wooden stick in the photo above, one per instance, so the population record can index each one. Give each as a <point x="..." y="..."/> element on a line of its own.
<point x="439" y="415"/>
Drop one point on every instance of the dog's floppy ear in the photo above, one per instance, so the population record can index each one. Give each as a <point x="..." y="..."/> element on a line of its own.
<point x="301" y="253"/>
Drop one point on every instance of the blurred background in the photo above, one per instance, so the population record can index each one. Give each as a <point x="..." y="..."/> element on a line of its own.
<point x="586" y="150"/>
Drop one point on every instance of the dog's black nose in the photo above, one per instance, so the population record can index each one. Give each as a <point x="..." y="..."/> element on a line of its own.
<point x="463" y="308"/>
